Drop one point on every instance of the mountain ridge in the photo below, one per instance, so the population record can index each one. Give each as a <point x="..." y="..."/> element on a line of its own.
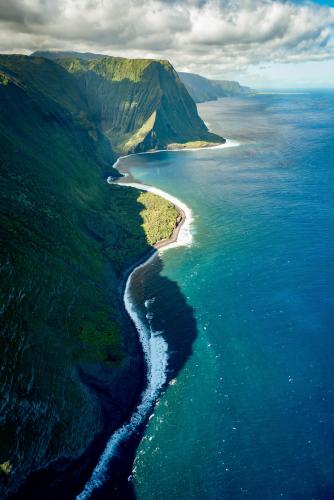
<point x="139" y="104"/>
<point x="204" y="89"/>
<point x="199" y="87"/>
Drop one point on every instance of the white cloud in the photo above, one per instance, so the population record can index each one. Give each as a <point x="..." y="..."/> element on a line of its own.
<point x="207" y="36"/>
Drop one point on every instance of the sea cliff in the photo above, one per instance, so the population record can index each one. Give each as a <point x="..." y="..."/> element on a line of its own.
<point x="72" y="367"/>
<point x="203" y="89"/>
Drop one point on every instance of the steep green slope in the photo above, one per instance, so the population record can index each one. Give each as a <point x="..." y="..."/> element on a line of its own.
<point x="66" y="238"/>
<point x="202" y="89"/>
<point x="139" y="104"/>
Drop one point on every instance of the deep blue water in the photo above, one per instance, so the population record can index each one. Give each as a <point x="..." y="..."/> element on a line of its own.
<point x="251" y="414"/>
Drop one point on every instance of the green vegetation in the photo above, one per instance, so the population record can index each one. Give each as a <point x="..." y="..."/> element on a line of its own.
<point x="101" y="339"/>
<point x="202" y="89"/>
<point x="192" y="145"/>
<point x="140" y="104"/>
<point x="137" y="234"/>
<point x="66" y="237"/>
<point x="4" y="80"/>
<point x="52" y="268"/>
<point x="159" y="217"/>
<point x="113" y="69"/>
<point x="5" y="467"/>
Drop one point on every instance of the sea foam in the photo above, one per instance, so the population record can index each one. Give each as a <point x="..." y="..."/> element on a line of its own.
<point x="155" y="350"/>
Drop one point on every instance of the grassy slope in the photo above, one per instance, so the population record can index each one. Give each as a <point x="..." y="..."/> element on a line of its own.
<point x="66" y="236"/>
<point x="159" y="217"/>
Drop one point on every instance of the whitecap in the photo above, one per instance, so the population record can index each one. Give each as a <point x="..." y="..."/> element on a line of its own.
<point x="149" y="302"/>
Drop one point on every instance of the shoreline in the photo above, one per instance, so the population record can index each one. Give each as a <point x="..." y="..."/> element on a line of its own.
<point x="229" y="143"/>
<point x="183" y="224"/>
<point x="154" y="347"/>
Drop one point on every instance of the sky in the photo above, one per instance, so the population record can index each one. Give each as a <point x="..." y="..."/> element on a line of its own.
<point x="261" y="43"/>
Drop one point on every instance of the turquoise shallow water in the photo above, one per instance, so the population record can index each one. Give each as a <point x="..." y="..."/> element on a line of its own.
<point x="251" y="414"/>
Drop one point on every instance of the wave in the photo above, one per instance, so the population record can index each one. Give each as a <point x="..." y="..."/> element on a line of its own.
<point x="155" y="350"/>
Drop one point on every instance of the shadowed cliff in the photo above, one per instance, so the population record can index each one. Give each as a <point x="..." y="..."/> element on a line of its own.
<point x="71" y="364"/>
<point x="203" y="89"/>
<point x="139" y="104"/>
<point x="66" y="478"/>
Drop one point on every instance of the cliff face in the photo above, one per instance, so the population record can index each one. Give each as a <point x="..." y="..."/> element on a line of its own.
<point x="67" y="349"/>
<point x="66" y="237"/>
<point x="139" y="104"/>
<point x="202" y="89"/>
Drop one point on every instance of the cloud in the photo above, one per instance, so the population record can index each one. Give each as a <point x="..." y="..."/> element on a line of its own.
<point x="213" y="37"/>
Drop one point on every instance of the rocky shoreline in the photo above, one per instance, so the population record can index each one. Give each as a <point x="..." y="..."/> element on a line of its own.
<point x="143" y="409"/>
<point x="69" y="474"/>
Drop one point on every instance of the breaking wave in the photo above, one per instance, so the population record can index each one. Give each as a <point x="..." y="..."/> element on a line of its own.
<point x="155" y="350"/>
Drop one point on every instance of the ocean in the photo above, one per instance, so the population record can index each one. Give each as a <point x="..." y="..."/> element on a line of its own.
<point x="246" y="310"/>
